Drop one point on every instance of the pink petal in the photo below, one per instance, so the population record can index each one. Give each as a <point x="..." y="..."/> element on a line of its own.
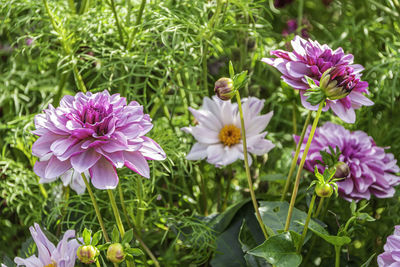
<point x="103" y="175"/>
<point x="84" y="161"/>
<point x="151" y="150"/>
<point x="136" y="162"/>
<point x="42" y="145"/>
<point x="56" y="167"/>
<point x="347" y="115"/>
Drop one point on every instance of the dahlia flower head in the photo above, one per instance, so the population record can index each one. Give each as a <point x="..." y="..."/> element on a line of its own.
<point x="311" y="59"/>
<point x="48" y="254"/>
<point x="391" y="256"/>
<point x="372" y="171"/>
<point x="93" y="134"/>
<point x="218" y="131"/>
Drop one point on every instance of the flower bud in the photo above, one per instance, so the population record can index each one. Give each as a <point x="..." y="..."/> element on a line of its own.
<point x="115" y="253"/>
<point x="87" y="254"/>
<point x="223" y="88"/>
<point x="323" y="190"/>
<point x="338" y="82"/>
<point x="342" y="170"/>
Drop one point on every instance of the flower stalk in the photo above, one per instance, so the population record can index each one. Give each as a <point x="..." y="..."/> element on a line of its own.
<point x="296" y="156"/>
<point x="246" y="163"/>
<point x="96" y="208"/>
<point x="138" y="21"/>
<point x="310" y="211"/>
<point x="303" y="159"/>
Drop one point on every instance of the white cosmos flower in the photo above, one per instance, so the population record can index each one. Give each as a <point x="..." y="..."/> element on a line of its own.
<point x="218" y="132"/>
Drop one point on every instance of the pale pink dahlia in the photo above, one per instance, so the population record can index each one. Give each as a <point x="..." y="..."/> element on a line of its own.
<point x="49" y="255"/>
<point x="218" y="132"/>
<point x="372" y="171"/>
<point x="94" y="133"/>
<point x="311" y="59"/>
<point x="391" y="256"/>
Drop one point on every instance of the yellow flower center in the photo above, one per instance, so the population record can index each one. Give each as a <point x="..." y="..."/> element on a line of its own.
<point x="52" y="264"/>
<point x="229" y="135"/>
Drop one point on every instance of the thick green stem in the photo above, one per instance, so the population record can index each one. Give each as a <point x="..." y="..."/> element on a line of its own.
<point x="246" y="164"/>
<point x="300" y="15"/>
<point x="337" y="256"/>
<point x="296" y="156"/>
<point x="116" y="212"/>
<point x="303" y="160"/>
<point x="310" y="211"/>
<point x="138" y="21"/>
<point x="321" y="203"/>
<point x="96" y="208"/>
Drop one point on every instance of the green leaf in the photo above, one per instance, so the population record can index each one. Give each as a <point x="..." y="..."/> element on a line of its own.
<point x="332" y="239"/>
<point x="231" y="70"/>
<point x="239" y="80"/>
<point x="127" y="238"/>
<point x="273" y="214"/>
<point x="115" y="235"/>
<point x="278" y="250"/>
<point x="135" y="252"/>
<point x="96" y="238"/>
<point x="368" y="262"/>
<point x="86" y="236"/>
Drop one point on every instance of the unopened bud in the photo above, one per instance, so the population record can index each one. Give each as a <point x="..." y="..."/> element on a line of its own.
<point x="224" y="88"/>
<point x="324" y="190"/>
<point x="87" y="254"/>
<point x="115" y="253"/>
<point x="342" y="170"/>
<point x="337" y="83"/>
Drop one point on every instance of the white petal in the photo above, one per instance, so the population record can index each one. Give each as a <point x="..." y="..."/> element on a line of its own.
<point x="198" y="152"/>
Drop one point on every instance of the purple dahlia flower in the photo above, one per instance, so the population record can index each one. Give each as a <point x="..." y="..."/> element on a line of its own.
<point x="391" y="256"/>
<point x="48" y="254"/>
<point x="218" y="132"/>
<point x="372" y="171"/>
<point x="311" y="59"/>
<point x="94" y="133"/>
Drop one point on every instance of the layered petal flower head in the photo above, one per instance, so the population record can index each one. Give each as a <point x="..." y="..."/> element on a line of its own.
<point x="372" y="171"/>
<point x="48" y="254"/>
<point x="391" y="256"/>
<point x="94" y="134"/>
<point x="311" y="59"/>
<point x="218" y="132"/>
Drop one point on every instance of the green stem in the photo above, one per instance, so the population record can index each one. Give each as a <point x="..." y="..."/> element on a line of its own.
<point x="300" y="15"/>
<point x="43" y="191"/>
<point x="227" y="189"/>
<point x="124" y="210"/>
<point x="121" y="37"/>
<point x="294" y="116"/>
<point x="337" y="256"/>
<point x="116" y="213"/>
<point x="296" y="156"/>
<point x="352" y="219"/>
<point x="303" y="159"/>
<point x="310" y="211"/>
<point x="246" y="163"/>
<point x="71" y="5"/>
<point x="96" y="208"/>
<point x="138" y="21"/>
<point x="97" y="263"/>
<point x="117" y="219"/>
<point x="320" y="204"/>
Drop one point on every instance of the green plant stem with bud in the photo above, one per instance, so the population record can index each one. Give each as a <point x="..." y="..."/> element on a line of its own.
<point x="296" y="156"/>
<point x="136" y="235"/>
<point x="310" y="211"/>
<point x="303" y="159"/>
<point x="337" y="256"/>
<point x="96" y="208"/>
<point x="246" y="163"/>
<point x="117" y="218"/>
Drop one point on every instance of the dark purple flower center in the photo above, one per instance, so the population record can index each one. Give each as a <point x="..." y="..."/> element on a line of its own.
<point x="96" y="116"/>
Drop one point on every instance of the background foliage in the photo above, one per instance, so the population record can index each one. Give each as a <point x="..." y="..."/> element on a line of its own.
<point x="176" y="52"/>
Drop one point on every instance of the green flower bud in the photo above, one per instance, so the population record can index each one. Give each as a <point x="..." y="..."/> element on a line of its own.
<point x="336" y="84"/>
<point x="323" y="190"/>
<point x="223" y="88"/>
<point x="342" y="170"/>
<point x="87" y="254"/>
<point x="115" y="253"/>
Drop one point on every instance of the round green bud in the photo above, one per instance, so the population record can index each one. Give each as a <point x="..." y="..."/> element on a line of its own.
<point x="223" y="88"/>
<point x="324" y="190"/>
<point x="87" y="254"/>
<point x="115" y="253"/>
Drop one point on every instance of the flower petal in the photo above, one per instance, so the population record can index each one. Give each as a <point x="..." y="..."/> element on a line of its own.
<point x="84" y="161"/>
<point x="103" y="175"/>
<point x="136" y="162"/>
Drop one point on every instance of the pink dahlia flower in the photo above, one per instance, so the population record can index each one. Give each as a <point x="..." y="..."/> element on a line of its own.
<point x="311" y="59"/>
<point x="391" y="256"/>
<point x="48" y="254"/>
<point x="371" y="169"/>
<point x="218" y="132"/>
<point x="94" y="133"/>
